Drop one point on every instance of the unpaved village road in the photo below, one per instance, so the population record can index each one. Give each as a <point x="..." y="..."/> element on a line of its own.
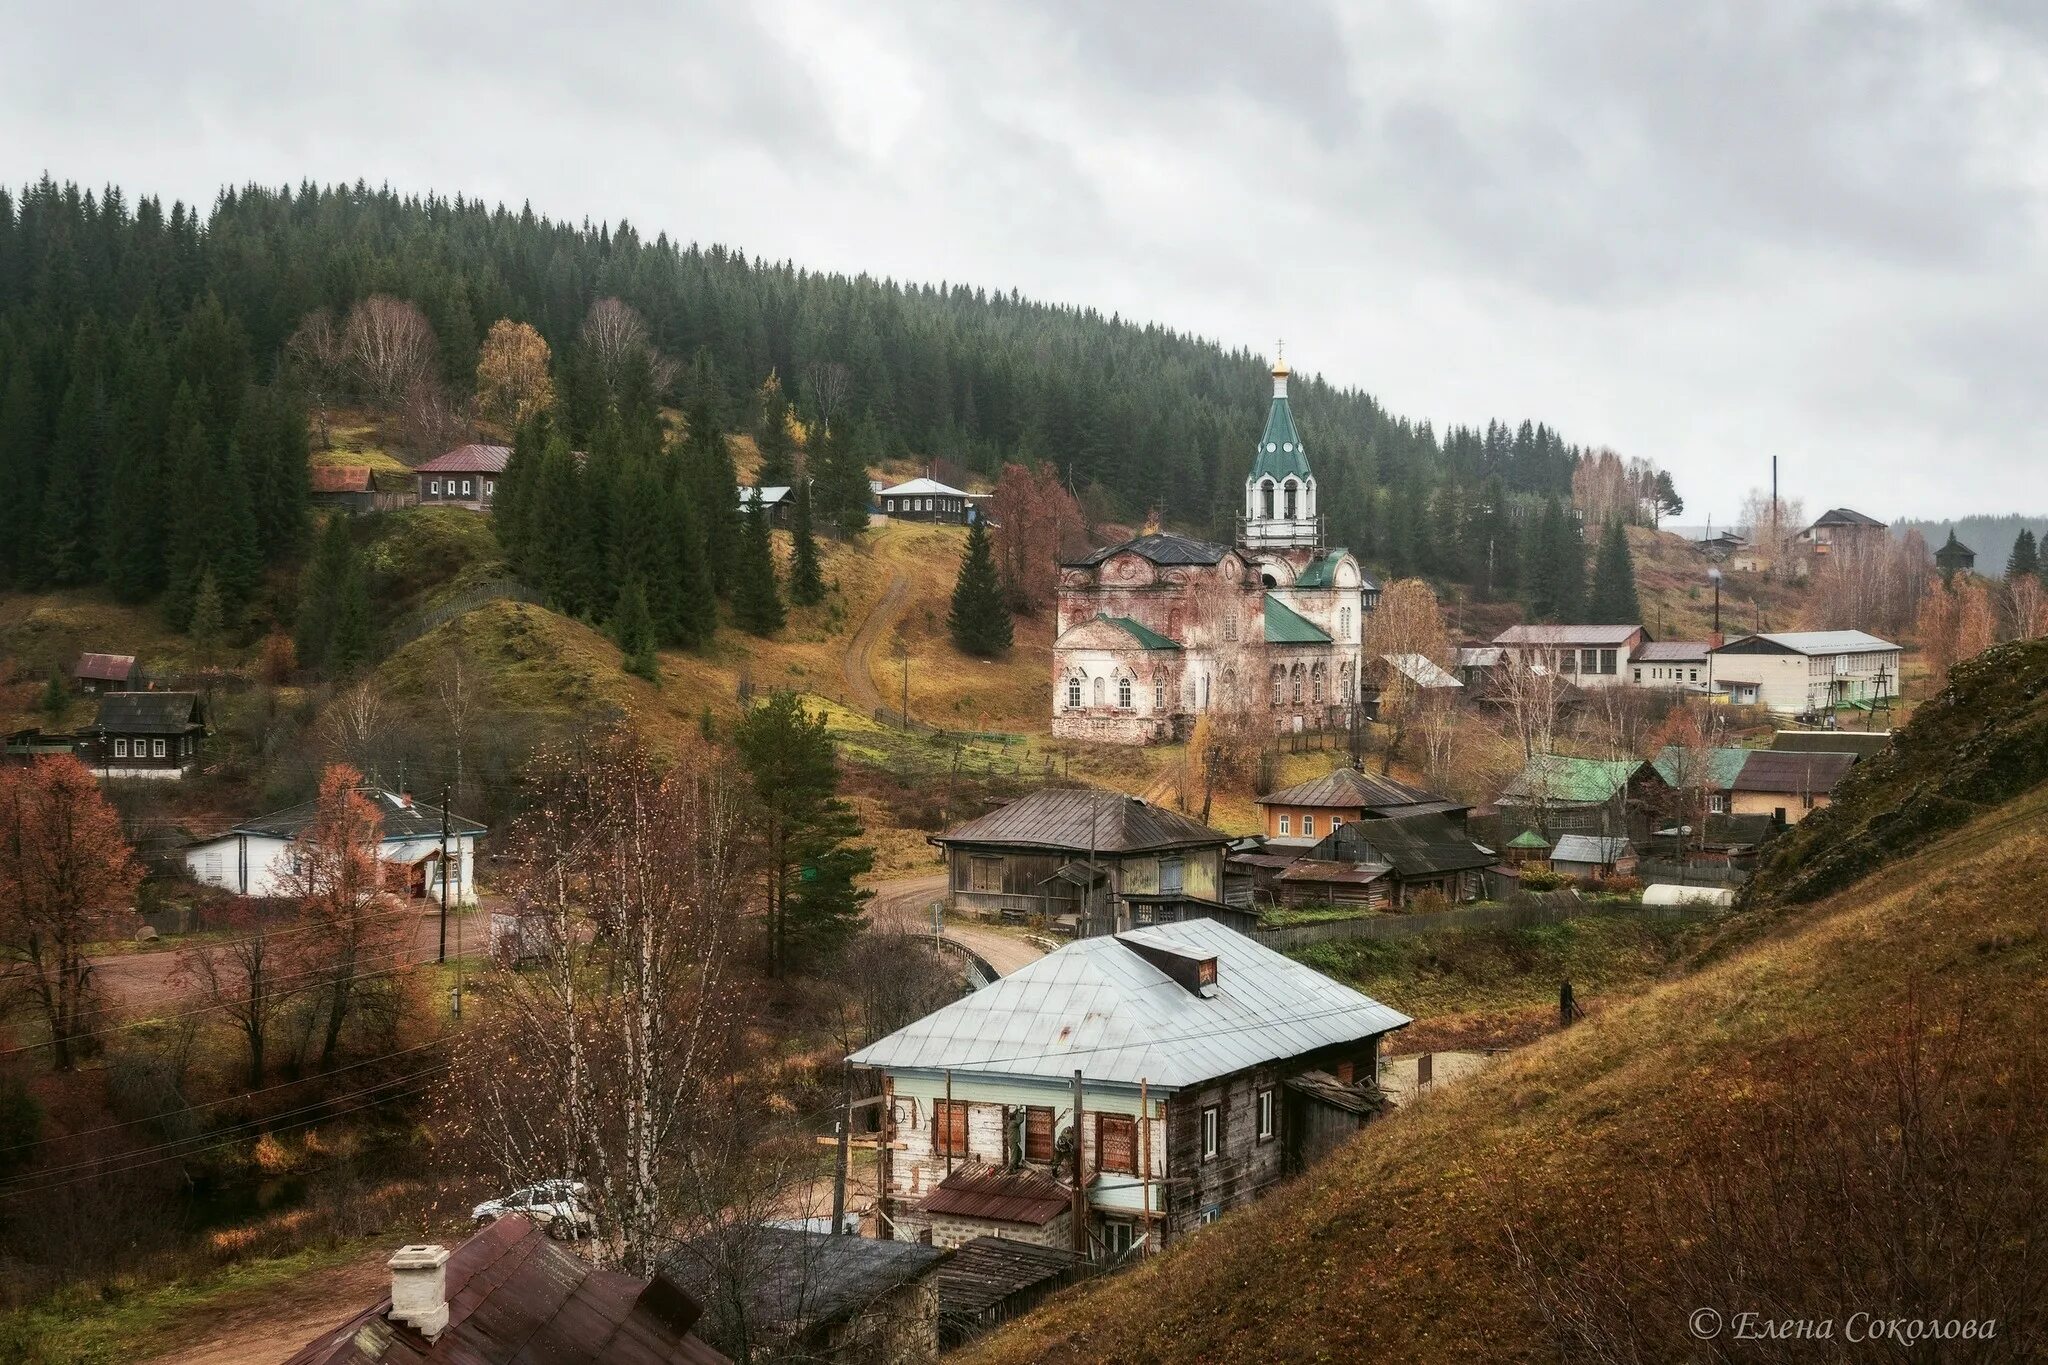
<point x="857" y="663"/>
<point x="904" y="905"/>
<point x="264" y="1327"/>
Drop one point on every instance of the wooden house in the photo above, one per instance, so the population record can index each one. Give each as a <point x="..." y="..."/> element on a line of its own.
<point x="1183" y="1038"/>
<point x="466" y="476"/>
<point x="777" y="500"/>
<point x="1954" y="557"/>
<point x="1091" y="861"/>
<point x="1310" y="810"/>
<point x="255" y="857"/>
<point x="147" y="735"/>
<point x="923" y="499"/>
<point x="1389" y="862"/>
<point x="796" y="1295"/>
<point x="341" y="488"/>
<point x="97" y="673"/>
<point x="1557" y="794"/>
<point x="1836" y="530"/>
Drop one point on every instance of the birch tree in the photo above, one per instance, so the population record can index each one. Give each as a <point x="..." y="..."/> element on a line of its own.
<point x="387" y="347"/>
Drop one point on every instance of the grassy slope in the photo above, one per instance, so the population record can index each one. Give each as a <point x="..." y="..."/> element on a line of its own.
<point x="1398" y="1247"/>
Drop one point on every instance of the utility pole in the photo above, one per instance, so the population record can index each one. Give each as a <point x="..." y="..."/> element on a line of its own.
<point x="839" y="1167"/>
<point x="1080" y="1212"/>
<point x="443" y="957"/>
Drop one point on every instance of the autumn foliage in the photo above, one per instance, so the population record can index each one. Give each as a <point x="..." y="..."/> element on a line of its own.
<point x="1038" y="527"/>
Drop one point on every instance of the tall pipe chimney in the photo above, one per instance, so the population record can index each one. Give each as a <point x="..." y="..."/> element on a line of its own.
<point x="419" y="1288"/>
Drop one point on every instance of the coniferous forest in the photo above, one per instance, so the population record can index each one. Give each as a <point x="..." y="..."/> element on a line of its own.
<point x="150" y="438"/>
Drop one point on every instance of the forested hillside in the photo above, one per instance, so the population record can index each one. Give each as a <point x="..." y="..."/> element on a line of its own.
<point x="108" y="308"/>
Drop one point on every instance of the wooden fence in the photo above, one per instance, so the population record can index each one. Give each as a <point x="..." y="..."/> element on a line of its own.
<point x="1522" y="914"/>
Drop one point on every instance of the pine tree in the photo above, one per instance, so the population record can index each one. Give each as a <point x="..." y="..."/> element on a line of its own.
<point x="56" y="697"/>
<point x="633" y="631"/>
<point x="1614" y="601"/>
<point x="756" y="604"/>
<point x="778" y="449"/>
<point x="806" y="583"/>
<point x="696" y="611"/>
<point x="2025" y="558"/>
<point x="22" y="466"/>
<point x="321" y="585"/>
<point x="716" y="493"/>
<point x="979" y="621"/>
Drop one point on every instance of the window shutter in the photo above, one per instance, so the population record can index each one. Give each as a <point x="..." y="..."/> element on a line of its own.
<point x="1116" y="1143"/>
<point x="1038" y="1133"/>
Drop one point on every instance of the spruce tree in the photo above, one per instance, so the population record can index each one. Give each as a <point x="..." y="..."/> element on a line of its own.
<point x="209" y="620"/>
<point x="633" y="631"/>
<point x="979" y="621"/>
<point x="353" y="641"/>
<point x="695" y="604"/>
<point x="1614" y="601"/>
<point x="22" y="466"/>
<point x="1571" y="567"/>
<point x="2025" y="558"/>
<point x="756" y="604"/>
<point x="806" y="583"/>
<point x="716" y="487"/>
<point x="778" y="448"/>
<point x="321" y="585"/>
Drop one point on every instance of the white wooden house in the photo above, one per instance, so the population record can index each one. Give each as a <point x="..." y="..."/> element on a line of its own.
<point x="255" y="857"/>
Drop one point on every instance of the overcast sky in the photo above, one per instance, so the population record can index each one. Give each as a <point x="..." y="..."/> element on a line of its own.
<point x="1696" y="233"/>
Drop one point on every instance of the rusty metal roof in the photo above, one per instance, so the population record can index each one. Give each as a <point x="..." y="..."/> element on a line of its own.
<point x="469" y="459"/>
<point x="1348" y="788"/>
<point x="1080" y="818"/>
<point x="1315" y="870"/>
<point x="340" y="478"/>
<point x="984" y="1191"/>
<point x="514" y="1295"/>
<point x="104" y="667"/>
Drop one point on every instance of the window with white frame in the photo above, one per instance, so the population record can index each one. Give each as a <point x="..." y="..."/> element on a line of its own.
<point x="1285" y="822"/>
<point x="1717" y="803"/>
<point x="465" y="488"/>
<point x="1267" y="1119"/>
<point x="1209" y="1214"/>
<point x="1212" y="1127"/>
<point x="1344" y="622"/>
<point x="1073" y="694"/>
<point x="120" y="748"/>
<point x="434" y="487"/>
<point x="1308" y="826"/>
<point x="1159" y="694"/>
<point x="156" y="748"/>
<point x="1123" y="693"/>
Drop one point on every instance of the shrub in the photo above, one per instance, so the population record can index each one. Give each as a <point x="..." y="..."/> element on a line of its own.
<point x="1543" y="879"/>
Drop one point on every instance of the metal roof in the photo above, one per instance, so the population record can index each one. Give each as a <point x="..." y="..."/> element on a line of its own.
<point x="402" y="817"/>
<point x="150" y="713"/>
<point x="795" y="1282"/>
<point x="1080" y="818"/>
<point x="1160" y="547"/>
<point x="1480" y="656"/>
<point x="1863" y="743"/>
<point x="1096" y="1006"/>
<point x="1723" y="764"/>
<point x="980" y="1190"/>
<point x="1673" y="652"/>
<point x="1810" y="642"/>
<point x="770" y="496"/>
<point x="1280" y="453"/>
<point x="1286" y="626"/>
<point x="104" y="667"/>
<point x="1413" y="845"/>
<point x="1843" y="516"/>
<point x="1776" y="770"/>
<point x="1421" y="670"/>
<point x="1348" y="788"/>
<point x="1557" y="777"/>
<point x="1146" y="637"/>
<point x="1566" y="635"/>
<point x="469" y="459"/>
<point x="339" y="478"/>
<point x="1321" y="572"/>
<point x="1589" y="848"/>
<point x="923" y="485"/>
<point x="1316" y="870"/>
<point x="514" y="1295"/>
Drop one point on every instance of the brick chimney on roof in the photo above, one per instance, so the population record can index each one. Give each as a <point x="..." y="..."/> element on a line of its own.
<point x="419" y="1288"/>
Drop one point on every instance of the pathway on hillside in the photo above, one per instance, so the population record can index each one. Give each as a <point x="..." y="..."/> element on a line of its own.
<point x="857" y="663"/>
<point x="263" y="1326"/>
<point x="904" y="904"/>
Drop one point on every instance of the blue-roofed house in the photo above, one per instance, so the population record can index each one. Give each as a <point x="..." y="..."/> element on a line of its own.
<point x="1121" y="1091"/>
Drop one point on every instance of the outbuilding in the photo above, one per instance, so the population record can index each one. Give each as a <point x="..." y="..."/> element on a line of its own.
<point x="255" y="858"/>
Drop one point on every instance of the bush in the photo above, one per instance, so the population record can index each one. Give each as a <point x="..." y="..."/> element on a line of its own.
<point x="1629" y="887"/>
<point x="1543" y="879"/>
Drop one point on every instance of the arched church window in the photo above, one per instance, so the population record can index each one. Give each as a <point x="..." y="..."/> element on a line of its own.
<point x="1159" y="692"/>
<point x="1292" y="489"/>
<point x="1278" y="685"/>
<point x="1100" y="686"/>
<point x="1297" y="684"/>
<point x="1230" y="625"/>
<point x="1123" y="693"/>
<point x="1266" y="499"/>
<point x="1315" y="679"/>
<point x="1344" y="622"/>
<point x="1230" y="688"/>
<point x="1073" y="694"/>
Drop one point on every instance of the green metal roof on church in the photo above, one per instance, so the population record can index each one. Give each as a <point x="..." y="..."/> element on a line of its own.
<point x="1286" y="626"/>
<point x="1150" y="639"/>
<point x="1322" y="572"/>
<point x="1280" y="452"/>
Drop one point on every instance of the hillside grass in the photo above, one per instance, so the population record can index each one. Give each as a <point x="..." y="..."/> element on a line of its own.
<point x="1567" y="1195"/>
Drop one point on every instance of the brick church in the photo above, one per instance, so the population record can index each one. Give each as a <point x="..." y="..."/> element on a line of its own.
<point x="1160" y="628"/>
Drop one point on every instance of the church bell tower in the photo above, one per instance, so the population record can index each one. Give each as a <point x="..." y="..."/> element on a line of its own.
<point x="1280" y="493"/>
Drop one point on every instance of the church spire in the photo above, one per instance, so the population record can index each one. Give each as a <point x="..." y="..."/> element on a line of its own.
<point x="1280" y="492"/>
<point x="1280" y="452"/>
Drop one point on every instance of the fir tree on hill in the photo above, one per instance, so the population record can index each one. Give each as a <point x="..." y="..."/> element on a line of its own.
<point x="1614" y="601"/>
<point x="777" y="447"/>
<point x="1554" y="568"/>
<point x="806" y="583"/>
<point x="980" y="620"/>
<point x="633" y="631"/>
<point x="2025" y="557"/>
<point x="756" y="604"/>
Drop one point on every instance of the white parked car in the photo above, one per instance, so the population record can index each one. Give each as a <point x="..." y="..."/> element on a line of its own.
<point x="556" y="1205"/>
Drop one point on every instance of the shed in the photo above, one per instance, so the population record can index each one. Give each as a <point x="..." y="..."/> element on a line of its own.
<point x="1593" y="855"/>
<point x="990" y="1280"/>
<point x="342" y="487"/>
<point x="96" y="673"/>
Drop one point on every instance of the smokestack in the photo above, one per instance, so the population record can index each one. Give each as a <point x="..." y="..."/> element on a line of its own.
<point x="419" y="1288"/>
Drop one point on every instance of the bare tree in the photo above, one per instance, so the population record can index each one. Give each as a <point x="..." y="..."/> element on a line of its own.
<point x="429" y="421"/>
<point x="1408" y="639"/>
<point x="458" y="689"/>
<point x="355" y="725"/>
<point x="2026" y="602"/>
<point x="316" y="363"/>
<point x="387" y="346"/>
<point x="1531" y="696"/>
<point x="615" y="336"/>
<point x="609" y="1063"/>
<point x="827" y="382"/>
<point x="249" y="976"/>
<point x="352" y="933"/>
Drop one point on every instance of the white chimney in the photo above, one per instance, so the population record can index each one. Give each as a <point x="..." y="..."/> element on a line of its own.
<point x="419" y="1288"/>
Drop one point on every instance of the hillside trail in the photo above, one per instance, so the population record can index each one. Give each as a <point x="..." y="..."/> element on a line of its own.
<point x="262" y="1327"/>
<point x="902" y="904"/>
<point x="857" y="662"/>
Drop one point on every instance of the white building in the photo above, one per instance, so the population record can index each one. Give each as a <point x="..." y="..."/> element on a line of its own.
<point x="255" y="857"/>
<point x="1796" y="672"/>
<point x="1589" y="656"/>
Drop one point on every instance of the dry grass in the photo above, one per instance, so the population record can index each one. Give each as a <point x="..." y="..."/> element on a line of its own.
<point x="1678" y="599"/>
<point x="1400" y="1247"/>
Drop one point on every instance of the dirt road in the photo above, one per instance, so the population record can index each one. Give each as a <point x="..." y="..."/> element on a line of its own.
<point x="857" y="662"/>
<point x="904" y="904"/>
<point x="265" y="1326"/>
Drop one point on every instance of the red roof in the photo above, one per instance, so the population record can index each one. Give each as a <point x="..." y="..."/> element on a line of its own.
<point x="341" y="478"/>
<point x="105" y="667"/>
<point x="515" y="1295"/>
<point x="469" y="459"/>
<point x="1005" y="1196"/>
